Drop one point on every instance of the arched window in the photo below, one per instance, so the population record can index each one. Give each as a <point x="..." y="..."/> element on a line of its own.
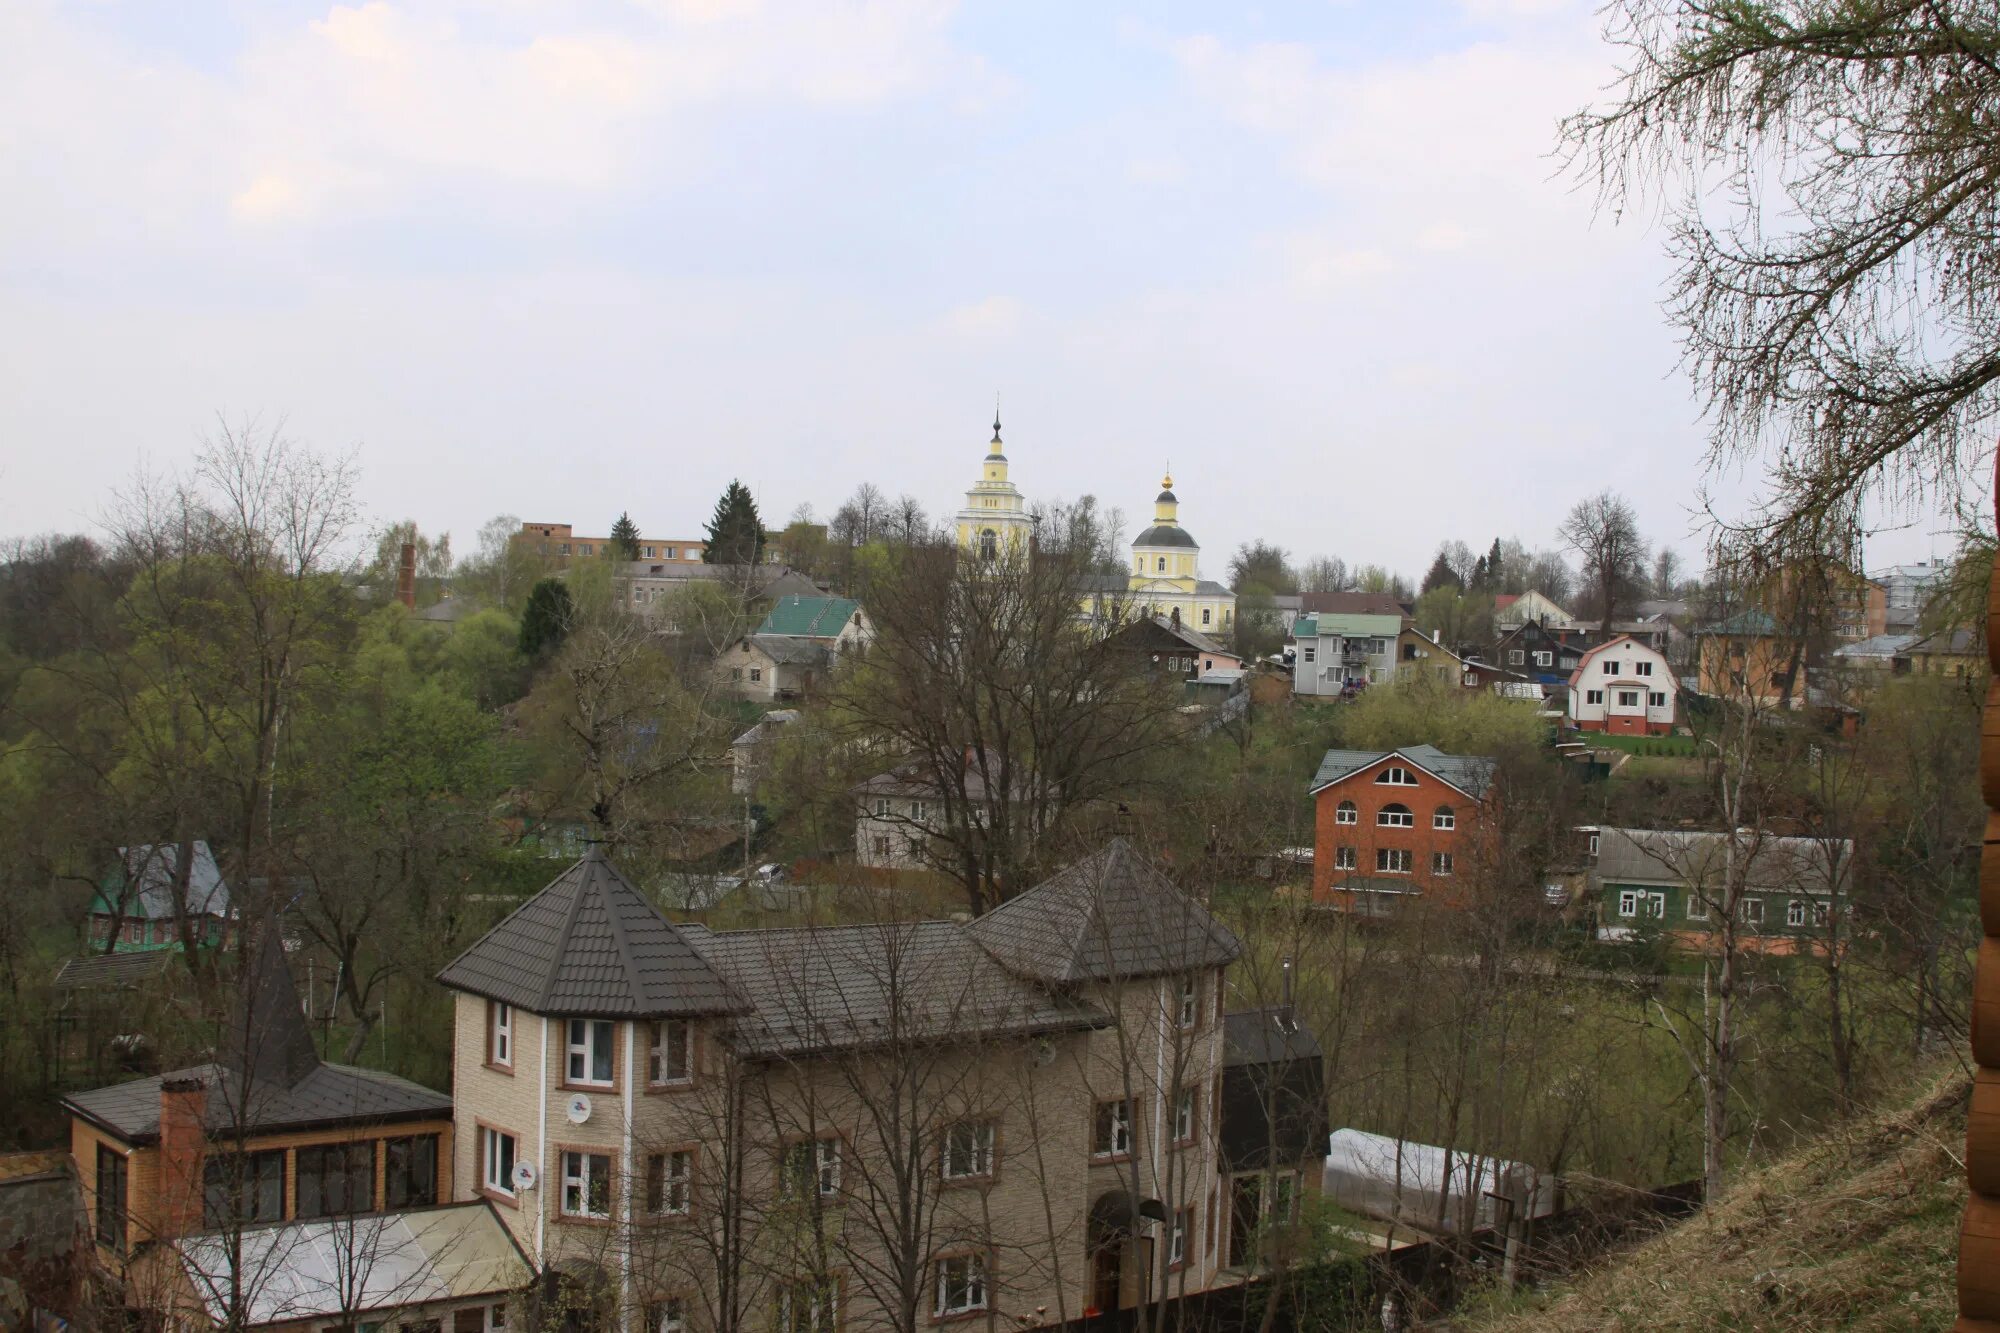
<point x="1395" y="777"/>
<point x="1163" y="565"/>
<point x="1445" y="818"/>
<point x="1345" y="813"/>
<point x="989" y="545"/>
<point x="1396" y="816"/>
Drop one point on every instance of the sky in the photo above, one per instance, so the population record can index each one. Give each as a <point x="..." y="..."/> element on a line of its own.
<point x="563" y="260"/>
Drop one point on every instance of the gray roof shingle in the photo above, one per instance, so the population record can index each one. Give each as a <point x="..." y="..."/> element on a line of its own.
<point x="816" y="989"/>
<point x="1108" y="917"/>
<point x="789" y="651"/>
<point x="329" y="1094"/>
<point x="590" y="944"/>
<point x="1699" y="858"/>
<point x="1470" y="773"/>
<point x="114" y="970"/>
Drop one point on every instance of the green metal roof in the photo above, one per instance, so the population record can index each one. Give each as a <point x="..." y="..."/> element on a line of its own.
<point x="809" y="617"/>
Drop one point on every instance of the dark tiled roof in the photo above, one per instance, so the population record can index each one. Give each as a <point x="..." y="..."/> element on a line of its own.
<point x="590" y="944"/>
<point x="847" y="987"/>
<point x="1107" y="917"/>
<point x="1262" y="1037"/>
<point x="111" y="970"/>
<point x="789" y="651"/>
<point x="915" y="778"/>
<point x="330" y="1094"/>
<point x="1164" y="534"/>
<point x="1470" y="773"/>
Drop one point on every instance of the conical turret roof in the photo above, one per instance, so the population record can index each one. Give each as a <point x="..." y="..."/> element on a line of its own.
<point x="590" y="944"/>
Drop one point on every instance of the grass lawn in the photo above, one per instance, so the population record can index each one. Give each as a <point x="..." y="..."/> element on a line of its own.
<point x="1671" y="746"/>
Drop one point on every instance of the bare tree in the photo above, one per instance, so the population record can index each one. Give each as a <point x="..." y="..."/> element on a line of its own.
<point x="1323" y="573"/>
<point x="1604" y="533"/>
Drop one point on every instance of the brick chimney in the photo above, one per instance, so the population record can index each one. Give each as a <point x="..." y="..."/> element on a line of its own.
<point x="406" y="576"/>
<point x="183" y="1102"/>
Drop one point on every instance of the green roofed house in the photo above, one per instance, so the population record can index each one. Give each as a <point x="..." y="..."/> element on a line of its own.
<point x="140" y="903"/>
<point x="1790" y="892"/>
<point x="793" y="652"/>
<point x="837" y="622"/>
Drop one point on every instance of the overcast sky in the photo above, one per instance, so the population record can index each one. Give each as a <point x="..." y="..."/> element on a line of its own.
<point x="559" y="260"/>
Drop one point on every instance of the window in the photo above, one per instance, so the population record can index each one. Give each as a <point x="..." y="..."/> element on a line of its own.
<point x="1394" y="860"/>
<point x="1628" y="902"/>
<point x="756" y="674"/>
<point x="1184" y="1116"/>
<point x="961" y="1284"/>
<point x="1285" y="1196"/>
<point x="243" y="1187"/>
<point x="1112" y="1136"/>
<point x="500" y="1034"/>
<point x="1162" y="566"/>
<point x="645" y="553"/>
<point x="670" y="1058"/>
<point x="111" y="1177"/>
<point x="590" y="1051"/>
<point x="812" y="1164"/>
<point x="1396" y="816"/>
<point x="1308" y="652"/>
<point x="1190" y="1000"/>
<point x="1751" y="911"/>
<point x="1441" y="863"/>
<point x="1795" y="912"/>
<point x="1515" y="657"/>
<point x="1656" y="699"/>
<point x="1395" y="777"/>
<point x="336" y="1178"/>
<point x="1177" y="1237"/>
<point x="410" y="1171"/>
<point x="1346" y="813"/>
<point x="807" y="1305"/>
<point x="918" y="810"/>
<point x="736" y="673"/>
<point x="670" y="1183"/>
<point x="1628" y="698"/>
<point x="1205" y="615"/>
<point x="1444" y="818"/>
<point x="496" y="1155"/>
<point x="1697" y="907"/>
<point x="881" y="846"/>
<point x="586" y="1184"/>
<point x="1343" y="858"/>
<point x="1610" y="667"/>
<point x="587" y="548"/>
<point x="1642" y="668"/>
<point x="968" y="1150"/>
<point x="1593" y="696"/>
<point x="1543" y="657"/>
<point x="667" y="1316"/>
<point x="881" y="807"/>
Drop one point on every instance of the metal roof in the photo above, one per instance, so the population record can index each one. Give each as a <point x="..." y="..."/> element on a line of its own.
<point x="144" y="878"/>
<point x="810" y="617"/>
<point x="591" y="945"/>
<point x="1751" y="624"/>
<point x="1266" y="1036"/>
<point x="328" y="1095"/>
<point x="790" y="651"/>
<point x="1164" y="534"/>
<point x="816" y="989"/>
<point x="112" y="970"/>
<point x="1110" y="916"/>
<point x="321" y="1269"/>
<point x="1470" y="773"/>
<point x="1699" y="858"/>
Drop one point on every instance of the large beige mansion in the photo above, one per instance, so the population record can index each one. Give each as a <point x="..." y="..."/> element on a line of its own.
<point x="861" y="1126"/>
<point x="1165" y="577"/>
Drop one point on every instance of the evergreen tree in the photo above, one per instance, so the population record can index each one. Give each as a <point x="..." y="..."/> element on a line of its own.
<point x="736" y="533"/>
<point x="1441" y="575"/>
<point x="546" y="620"/>
<point x="625" y="538"/>
<point x="1496" y="565"/>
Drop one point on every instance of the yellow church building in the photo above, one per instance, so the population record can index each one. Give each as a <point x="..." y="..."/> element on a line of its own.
<point x="1165" y="574"/>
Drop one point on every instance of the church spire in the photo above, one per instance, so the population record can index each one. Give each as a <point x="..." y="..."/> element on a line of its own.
<point x="994" y="447"/>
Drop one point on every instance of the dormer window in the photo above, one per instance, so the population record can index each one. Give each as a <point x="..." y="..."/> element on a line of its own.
<point x="1396" y="777"/>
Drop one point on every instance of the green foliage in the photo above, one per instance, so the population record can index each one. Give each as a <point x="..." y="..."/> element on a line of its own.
<point x="1259" y="631"/>
<point x="625" y="538"/>
<point x="736" y="531"/>
<point x="1426" y="711"/>
<point x="1259" y="564"/>
<point x="546" y="622"/>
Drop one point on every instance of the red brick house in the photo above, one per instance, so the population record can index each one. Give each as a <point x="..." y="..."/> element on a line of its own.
<point x="1391" y="825"/>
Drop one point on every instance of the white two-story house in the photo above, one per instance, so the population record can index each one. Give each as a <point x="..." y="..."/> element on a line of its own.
<point x="1623" y="687"/>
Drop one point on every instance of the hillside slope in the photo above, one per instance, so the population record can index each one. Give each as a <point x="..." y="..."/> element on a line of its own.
<point x="1858" y="1231"/>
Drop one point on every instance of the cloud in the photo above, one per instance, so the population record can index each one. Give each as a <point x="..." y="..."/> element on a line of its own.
<point x="996" y="316"/>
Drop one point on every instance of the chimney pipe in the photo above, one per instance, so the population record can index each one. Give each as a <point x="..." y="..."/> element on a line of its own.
<point x="183" y="1106"/>
<point x="406" y="576"/>
<point x="1285" y="1014"/>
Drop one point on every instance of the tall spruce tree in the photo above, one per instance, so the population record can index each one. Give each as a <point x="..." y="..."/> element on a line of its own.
<point x="1441" y="575"/>
<point x="546" y="621"/>
<point x="736" y="533"/>
<point x="625" y="538"/>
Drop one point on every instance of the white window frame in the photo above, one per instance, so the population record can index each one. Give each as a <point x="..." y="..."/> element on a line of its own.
<point x="1184" y="1116"/>
<point x="1395" y="776"/>
<point x="1656" y="698"/>
<point x="1628" y="698"/>
<point x="961" y="1284"/>
<point x="1396" y="816"/>
<point x="825" y="1161"/>
<point x="1628" y="902"/>
<point x="672" y="1315"/>
<point x="1177" y="1238"/>
<point x="496" y="1177"/>
<point x="1444" y="817"/>
<point x="1593" y="696"/>
<point x="1642" y="668"/>
<point x="501" y="1039"/>
<point x="1515" y="657"/>
<point x="1697" y="907"/>
<point x="1121" y="1128"/>
<point x="658" y="1063"/>
<point x="970" y="1142"/>
<point x="1610" y="667"/>
<point x="1394" y="860"/>
<point x="1345" y="858"/>
<point x="1750" y="911"/>
<point x="495" y="1318"/>
<point x="1347" y="812"/>
<point x="1190" y="1003"/>
<point x="676" y="1186"/>
<point x="1796" y="912"/>
<point x="576" y="1173"/>
<point x="1441" y="864"/>
<point x="1543" y="657"/>
<point x="824" y="1317"/>
<point x="1307" y="650"/>
<point x="592" y="1029"/>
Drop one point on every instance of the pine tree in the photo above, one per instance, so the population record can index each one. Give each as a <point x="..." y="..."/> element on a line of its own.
<point x="1495" y="565"/>
<point x="1441" y="575"/>
<point x="625" y="538"/>
<point x="736" y="533"/>
<point x="545" y="622"/>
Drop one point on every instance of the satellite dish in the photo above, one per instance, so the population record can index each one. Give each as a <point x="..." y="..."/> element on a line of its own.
<point x="578" y="1109"/>
<point x="524" y="1175"/>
